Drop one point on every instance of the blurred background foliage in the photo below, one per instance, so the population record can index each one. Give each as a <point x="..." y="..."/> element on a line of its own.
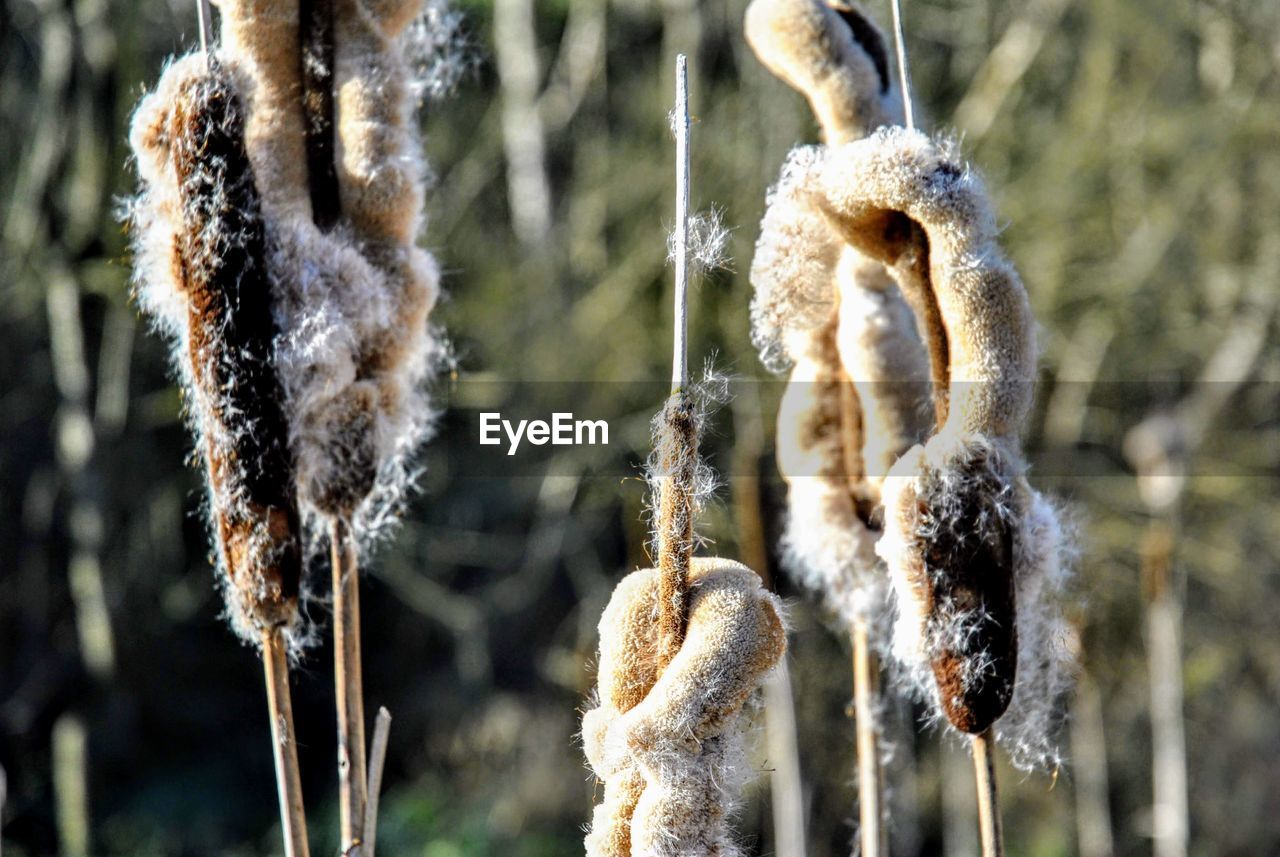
<point x="1133" y="152"/>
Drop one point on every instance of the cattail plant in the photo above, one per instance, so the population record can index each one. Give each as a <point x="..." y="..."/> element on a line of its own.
<point x="853" y="401"/>
<point x="682" y="646"/>
<point x="203" y="273"/>
<point x="311" y="202"/>
<point x="977" y="558"/>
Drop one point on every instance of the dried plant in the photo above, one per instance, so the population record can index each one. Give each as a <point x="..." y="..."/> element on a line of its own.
<point x="852" y="404"/>
<point x="668" y="744"/>
<point x="978" y="558"/>
<point x="311" y="196"/>
<point x="682" y="646"/>
<point x="203" y="272"/>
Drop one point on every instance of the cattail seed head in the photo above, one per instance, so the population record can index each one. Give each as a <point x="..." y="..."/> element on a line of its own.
<point x="668" y="745"/>
<point x="354" y="291"/>
<point x="852" y="405"/>
<point x="201" y="200"/>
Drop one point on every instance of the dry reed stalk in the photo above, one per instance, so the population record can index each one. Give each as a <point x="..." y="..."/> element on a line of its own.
<point x="676" y="434"/>
<point x="377" y="760"/>
<point x="348" y="685"/>
<point x="284" y="747"/>
<point x="873" y="833"/>
<point x="984" y="771"/>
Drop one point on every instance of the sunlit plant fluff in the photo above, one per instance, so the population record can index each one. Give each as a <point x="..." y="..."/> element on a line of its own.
<point x="669" y="747"/>
<point x="204" y="276"/>
<point x="351" y="296"/>
<point x="978" y="559"/>
<point x="853" y="401"/>
<point x="683" y="647"/>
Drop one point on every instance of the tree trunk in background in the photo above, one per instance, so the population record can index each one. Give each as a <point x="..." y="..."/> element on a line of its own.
<point x="70" y="785"/>
<point x="1169" y="812"/>
<point x="524" y="139"/>
<point x="1089" y="769"/>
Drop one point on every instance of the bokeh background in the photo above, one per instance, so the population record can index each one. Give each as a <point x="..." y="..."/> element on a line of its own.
<point x="1133" y="152"/>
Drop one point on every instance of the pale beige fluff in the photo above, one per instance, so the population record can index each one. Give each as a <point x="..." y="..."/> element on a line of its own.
<point x="807" y="45"/>
<point x="825" y="544"/>
<point x="668" y="748"/>
<point x="984" y="307"/>
<point x="833" y="314"/>
<point x="885" y="360"/>
<point x="990" y="339"/>
<point x="261" y="46"/>
<point x="356" y="347"/>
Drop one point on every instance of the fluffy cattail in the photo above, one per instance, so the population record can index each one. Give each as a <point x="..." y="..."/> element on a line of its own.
<point x="668" y="745"/>
<point x="853" y="402"/>
<point x="203" y="272"/>
<point x="976" y="556"/>
<point x="355" y="347"/>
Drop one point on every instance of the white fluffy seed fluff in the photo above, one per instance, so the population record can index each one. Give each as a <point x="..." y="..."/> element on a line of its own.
<point x="352" y="348"/>
<point x="355" y="348"/>
<point x="859" y="370"/>
<point x="669" y="747"/>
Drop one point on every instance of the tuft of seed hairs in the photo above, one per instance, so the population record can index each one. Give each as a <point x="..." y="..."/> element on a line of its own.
<point x="439" y="51"/>
<point x="668" y="743"/>
<point x="204" y="274"/>
<point x="708" y="242"/>
<point x="853" y="401"/>
<point x="356" y="347"/>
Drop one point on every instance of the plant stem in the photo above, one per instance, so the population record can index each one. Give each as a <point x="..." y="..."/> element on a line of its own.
<point x="871" y="829"/>
<point x="677" y="438"/>
<point x="904" y="73"/>
<point x="377" y="758"/>
<point x="284" y="749"/>
<point x="984" y="769"/>
<point x="348" y="685"/>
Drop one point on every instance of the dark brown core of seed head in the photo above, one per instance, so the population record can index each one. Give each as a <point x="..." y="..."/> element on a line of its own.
<point x="968" y="563"/>
<point x="222" y="257"/>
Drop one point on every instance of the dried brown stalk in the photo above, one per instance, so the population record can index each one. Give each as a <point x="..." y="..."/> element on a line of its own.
<point x="984" y="771"/>
<point x="377" y="759"/>
<point x="872" y="832"/>
<point x="348" y="685"/>
<point x="284" y="748"/>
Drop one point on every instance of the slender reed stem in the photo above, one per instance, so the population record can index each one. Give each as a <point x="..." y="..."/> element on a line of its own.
<point x="984" y="769"/>
<point x="677" y="438"/>
<point x="377" y="759"/>
<point x="204" y="18"/>
<point x="871" y="829"/>
<point x="904" y="75"/>
<point x="680" y="126"/>
<point x="348" y="686"/>
<point x="284" y="748"/>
